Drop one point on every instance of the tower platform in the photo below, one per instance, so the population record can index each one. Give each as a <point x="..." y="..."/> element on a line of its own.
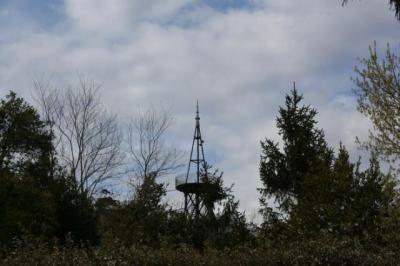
<point x="189" y="184"/>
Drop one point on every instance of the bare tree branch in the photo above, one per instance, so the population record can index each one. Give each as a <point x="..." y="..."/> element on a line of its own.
<point x="148" y="151"/>
<point x="88" y="137"/>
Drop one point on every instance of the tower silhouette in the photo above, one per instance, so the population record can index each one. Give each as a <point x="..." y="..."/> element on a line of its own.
<point x="193" y="184"/>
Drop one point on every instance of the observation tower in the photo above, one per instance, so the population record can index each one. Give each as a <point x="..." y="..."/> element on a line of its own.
<point x="194" y="183"/>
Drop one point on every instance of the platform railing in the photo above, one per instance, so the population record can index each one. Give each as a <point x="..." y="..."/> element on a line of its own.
<point x="181" y="179"/>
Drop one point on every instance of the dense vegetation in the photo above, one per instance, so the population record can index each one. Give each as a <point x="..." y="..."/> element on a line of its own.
<point x="318" y="207"/>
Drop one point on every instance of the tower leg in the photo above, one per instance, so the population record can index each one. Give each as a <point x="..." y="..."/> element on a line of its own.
<point x="197" y="206"/>
<point x="186" y="203"/>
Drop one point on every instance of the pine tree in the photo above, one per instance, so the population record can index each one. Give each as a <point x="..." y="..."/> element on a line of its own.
<point x="316" y="191"/>
<point x="283" y="173"/>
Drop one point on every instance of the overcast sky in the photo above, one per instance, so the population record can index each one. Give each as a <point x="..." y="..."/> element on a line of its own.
<point x="238" y="57"/>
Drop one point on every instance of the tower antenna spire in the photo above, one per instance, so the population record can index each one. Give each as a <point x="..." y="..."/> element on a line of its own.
<point x="197" y="110"/>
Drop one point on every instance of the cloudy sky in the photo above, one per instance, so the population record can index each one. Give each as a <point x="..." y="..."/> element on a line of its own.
<point x="238" y="57"/>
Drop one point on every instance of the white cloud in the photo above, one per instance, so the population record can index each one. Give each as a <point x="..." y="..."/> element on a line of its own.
<point x="119" y="16"/>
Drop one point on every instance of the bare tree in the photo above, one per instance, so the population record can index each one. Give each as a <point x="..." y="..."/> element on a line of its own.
<point x="147" y="148"/>
<point x="87" y="135"/>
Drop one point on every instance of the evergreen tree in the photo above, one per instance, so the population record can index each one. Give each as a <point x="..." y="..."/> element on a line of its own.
<point x="26" y="172"/>
<point x="232" y="227"/>
<point x="317" y="192"/>
<point x="140" y="221"/>
<point x="25" y="143"/>
<point x="284" y="173"/>
<point x="36" y="197"/>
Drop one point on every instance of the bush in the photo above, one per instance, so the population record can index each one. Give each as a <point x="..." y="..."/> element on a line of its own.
<point x="314" y="252"/>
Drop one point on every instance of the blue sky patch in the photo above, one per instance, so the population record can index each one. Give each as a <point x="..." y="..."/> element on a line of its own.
<point x="44" y="13"/>
<point x="226" y="5"/>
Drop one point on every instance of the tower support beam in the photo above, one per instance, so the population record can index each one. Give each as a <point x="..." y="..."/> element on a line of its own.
<point x="192" y="189"/>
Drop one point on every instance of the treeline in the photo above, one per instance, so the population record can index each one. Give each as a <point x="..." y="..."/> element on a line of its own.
<point x="56" y="207"/>
<point x="58" y="171"/>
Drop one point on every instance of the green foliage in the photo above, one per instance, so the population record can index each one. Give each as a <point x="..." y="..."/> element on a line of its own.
<point x="75" y="213"/>
<point x="316" y="191"/>
<point x="284" y="173"/>
<point x="318" y="251"/>
<point x="215" y="191"/>
<point x="36" y="198"/>
<point x="25" y="209"/>
<point x="330" y="212"/>
<point x="232" y="227"/>
<point x="378" y="92"/>
<point x="146" y="215"/>
<point x="140" y="221"/>
<point x="146" y="221"/>
<point x="228" y="227"/>
<point x="26" y="170"/>
<point x="25" y="143"/>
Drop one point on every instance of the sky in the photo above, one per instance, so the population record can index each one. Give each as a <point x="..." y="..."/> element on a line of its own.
<point x="237" y="57"/>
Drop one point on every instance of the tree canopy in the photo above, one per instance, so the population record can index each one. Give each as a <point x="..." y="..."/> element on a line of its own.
<point x="315" y="191"/>
<point x="323" y="200"/>
<point x="378" y="97"/>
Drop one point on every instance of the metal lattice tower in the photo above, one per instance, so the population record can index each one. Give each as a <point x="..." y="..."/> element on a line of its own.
<point x="193" y="185"/>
